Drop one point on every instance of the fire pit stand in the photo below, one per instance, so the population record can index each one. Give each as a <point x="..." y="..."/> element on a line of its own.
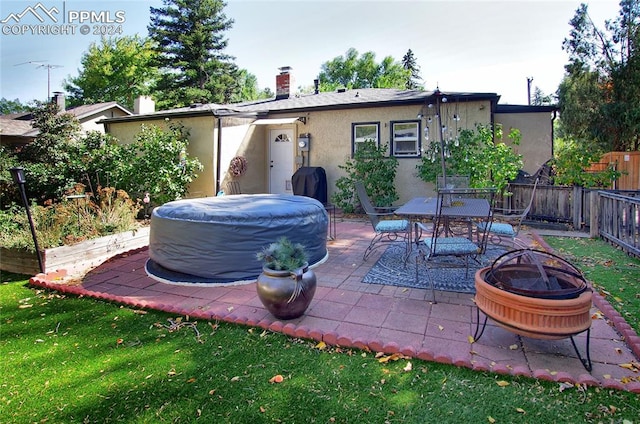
<point x="535" y="294"/>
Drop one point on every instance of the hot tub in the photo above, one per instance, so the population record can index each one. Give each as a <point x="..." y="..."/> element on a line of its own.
<point x="215" y="239"/>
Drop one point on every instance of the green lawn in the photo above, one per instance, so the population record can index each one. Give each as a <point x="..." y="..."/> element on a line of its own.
<point x="67" y="359"/>
<point x="612" y="272"/>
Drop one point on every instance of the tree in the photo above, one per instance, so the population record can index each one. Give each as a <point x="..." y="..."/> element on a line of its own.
<point x="539" y="98"/>
<point x="354" y="71"/>
<point x="599" y="97"/>
<point x="116" y="69"/>
<point x="248" y="88"/>
<point x="409" y="64"/>
<point x="47" y="157"/>
<point x="190" y="41"/>
<point x="12" y="106"/>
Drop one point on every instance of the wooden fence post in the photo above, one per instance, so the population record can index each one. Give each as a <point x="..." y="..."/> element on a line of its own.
<point x="577" y="207"/>
<point x="594" y="208"/>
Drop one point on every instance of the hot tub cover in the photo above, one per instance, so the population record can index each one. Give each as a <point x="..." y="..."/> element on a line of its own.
<point x="215" y="239"/>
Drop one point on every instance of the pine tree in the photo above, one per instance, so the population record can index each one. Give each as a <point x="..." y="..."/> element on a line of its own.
<point x="191" y="42"/>
<point x="409" y="63"/>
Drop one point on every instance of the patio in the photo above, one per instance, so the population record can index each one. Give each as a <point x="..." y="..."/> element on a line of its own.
<point x="347" y="312"/>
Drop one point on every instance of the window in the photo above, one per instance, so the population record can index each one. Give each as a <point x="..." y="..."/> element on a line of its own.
<point x="363" y="132"/>
<point x="405" y="139"/>
<point x="282" y="138"/>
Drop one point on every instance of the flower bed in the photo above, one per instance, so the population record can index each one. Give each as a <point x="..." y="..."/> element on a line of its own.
<point x="76" y="259"/>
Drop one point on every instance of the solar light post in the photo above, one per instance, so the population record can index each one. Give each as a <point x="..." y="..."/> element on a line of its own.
<point x="17" y="173"/>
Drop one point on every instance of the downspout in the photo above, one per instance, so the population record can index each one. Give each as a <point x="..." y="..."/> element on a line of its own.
<point x="555" y="115"/>
<point x="218" y="159"/>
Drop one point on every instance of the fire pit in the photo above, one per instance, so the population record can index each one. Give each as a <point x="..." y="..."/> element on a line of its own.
<point x="534" y="294"/>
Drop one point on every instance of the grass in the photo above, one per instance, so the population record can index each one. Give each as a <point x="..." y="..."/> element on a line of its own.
<point x="68" y="359"/>
<point x="611" y="271"/>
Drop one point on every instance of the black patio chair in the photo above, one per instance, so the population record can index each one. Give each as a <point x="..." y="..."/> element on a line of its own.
<point x="386" y="230"/>
<point x="444" y="249"/>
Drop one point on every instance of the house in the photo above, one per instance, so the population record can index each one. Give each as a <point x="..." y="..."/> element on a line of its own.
<point x="323" y="129"/>
<point x="16" y="129"/>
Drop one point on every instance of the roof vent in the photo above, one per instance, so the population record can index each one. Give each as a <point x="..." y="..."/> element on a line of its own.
<point x="341" y="90"/>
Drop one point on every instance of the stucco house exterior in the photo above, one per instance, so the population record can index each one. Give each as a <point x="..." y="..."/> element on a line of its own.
<point x="16" y="129"/>
<point x="322" y="129"/>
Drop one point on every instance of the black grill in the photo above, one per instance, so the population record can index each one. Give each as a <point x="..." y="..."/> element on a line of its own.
<point x="310" y="181"/>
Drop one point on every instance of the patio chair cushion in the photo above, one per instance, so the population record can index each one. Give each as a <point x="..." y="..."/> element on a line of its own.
<point x="498" y="228"/>
<point x="392" y="225"/>
<point x="452" y="246"/>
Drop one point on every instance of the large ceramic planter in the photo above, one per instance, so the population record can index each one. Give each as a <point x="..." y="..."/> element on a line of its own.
<point x="286" y="294"/>
<point x="533" y="316"/>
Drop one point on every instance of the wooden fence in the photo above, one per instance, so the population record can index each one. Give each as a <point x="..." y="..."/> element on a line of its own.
<point x="628" y="163"/>
<point x="611" y="214"/>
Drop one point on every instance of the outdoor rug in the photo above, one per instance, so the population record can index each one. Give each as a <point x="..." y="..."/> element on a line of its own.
<point x="391" y="270"/>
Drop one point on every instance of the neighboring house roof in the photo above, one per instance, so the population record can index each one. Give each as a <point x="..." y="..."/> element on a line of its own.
<point x="85" y="111"/>
<point x="335" y="100"/>
<point x="19" y="124"/>
<point x="15" y="127"/>
<point x="525" y="108"/>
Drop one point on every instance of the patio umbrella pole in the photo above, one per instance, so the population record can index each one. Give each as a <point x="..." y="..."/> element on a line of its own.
<point x="438" y="95"/>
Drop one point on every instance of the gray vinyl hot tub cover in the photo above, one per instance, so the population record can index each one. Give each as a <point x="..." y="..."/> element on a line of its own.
<point x="215" y="239"/>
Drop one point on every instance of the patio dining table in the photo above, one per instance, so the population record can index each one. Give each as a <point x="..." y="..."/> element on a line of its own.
<point x="427" y="207"/>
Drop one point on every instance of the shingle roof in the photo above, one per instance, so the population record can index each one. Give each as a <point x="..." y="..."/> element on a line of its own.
<point x="15" y="127"/>
<point x="19" y="124"/>
<point x="343" y="99"/>
<point x="88" y="110"/>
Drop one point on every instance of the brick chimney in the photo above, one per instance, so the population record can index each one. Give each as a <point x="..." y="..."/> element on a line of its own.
<point x="284" y="83"/>
<point x="58" y="98"/>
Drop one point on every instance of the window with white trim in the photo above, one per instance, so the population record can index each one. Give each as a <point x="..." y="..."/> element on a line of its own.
<point x="363" y="132"/>
<point x="405" y="138"/>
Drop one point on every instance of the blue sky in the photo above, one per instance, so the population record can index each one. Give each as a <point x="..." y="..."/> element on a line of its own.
<point x="471" y="45"/>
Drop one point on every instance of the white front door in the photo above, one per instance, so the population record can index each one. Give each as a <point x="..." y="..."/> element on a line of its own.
<point x="280" y="161"/>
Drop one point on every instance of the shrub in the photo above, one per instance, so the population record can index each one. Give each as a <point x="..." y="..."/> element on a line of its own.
<point x="71" y="221"/>
<point x="488" y="163"/>
<point x="376" y="170"/>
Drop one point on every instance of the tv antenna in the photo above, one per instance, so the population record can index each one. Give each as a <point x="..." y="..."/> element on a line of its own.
<point x="40" y="64"/>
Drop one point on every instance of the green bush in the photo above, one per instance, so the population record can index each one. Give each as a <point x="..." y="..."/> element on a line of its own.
<point x="109" y="211"/>
<point x="488" y="163"/>
<point x="572" y="158"/>
<point x="376" y="170"/>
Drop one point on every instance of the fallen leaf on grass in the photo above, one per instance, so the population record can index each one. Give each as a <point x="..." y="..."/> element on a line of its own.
<point x="236" y="378"/>
<point x="321" y="346"/>
<point x="276" y="379"/>
<point x="520" y="410"/>
<point x="407" y="367"/>
<point x="191" y="380"/>
<point x="502" y="383"/>
<point x="491" y="419"/>
<point x="392" y="357"/>
<point x="564" y="386"/>
<point x="25" y="306"/>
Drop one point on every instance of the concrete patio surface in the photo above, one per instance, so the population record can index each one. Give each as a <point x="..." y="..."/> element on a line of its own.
<point x="349" y="313"/>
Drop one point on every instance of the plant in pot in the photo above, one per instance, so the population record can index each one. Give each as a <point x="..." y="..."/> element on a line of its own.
<point x="286" y="285"/>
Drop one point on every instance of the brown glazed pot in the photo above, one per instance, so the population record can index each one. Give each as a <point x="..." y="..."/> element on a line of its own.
<point x="286" y="294"/>
<point x="531" y="316"/>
